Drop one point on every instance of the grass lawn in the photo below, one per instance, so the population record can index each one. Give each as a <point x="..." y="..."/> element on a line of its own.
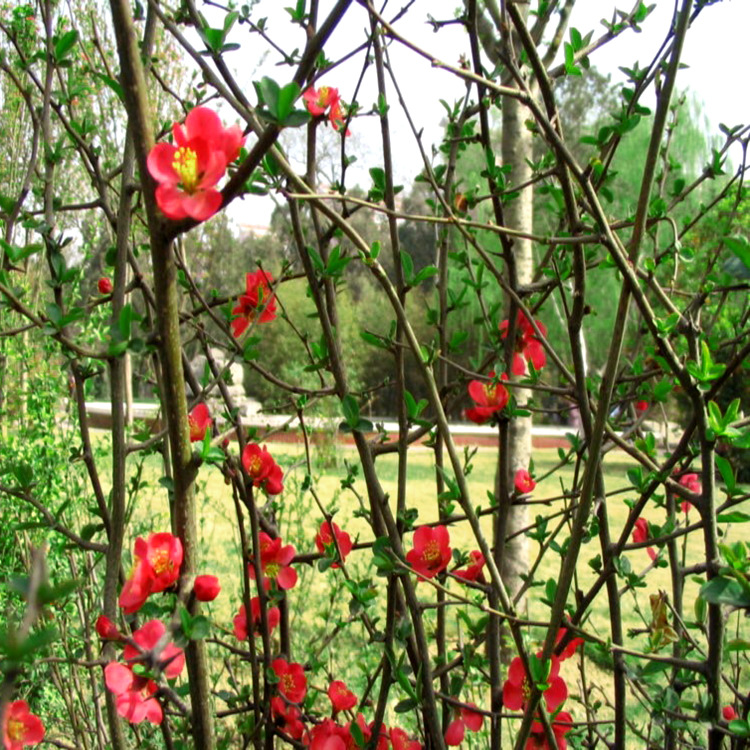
<point x="320" y="603"/>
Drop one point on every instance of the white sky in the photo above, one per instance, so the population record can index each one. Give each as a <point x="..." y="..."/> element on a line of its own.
<point x="715" y="52"/>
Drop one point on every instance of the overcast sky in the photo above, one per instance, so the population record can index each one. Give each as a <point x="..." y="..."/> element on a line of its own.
<point x="715" y="52"/>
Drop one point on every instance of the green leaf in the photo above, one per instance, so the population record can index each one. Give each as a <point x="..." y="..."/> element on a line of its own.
<point x="736" y="516"/>
<point x="725" y="469"/>
<point x="722" y="590"/>
<point x="64" y="44"/>
<point x="350" y="408"/>
<point x="285" y="100"/>
<point x="740" y="247"/>
<point x="268" y="93"/>
<point x="24" y="474"/>
<point x="113" y="84"/>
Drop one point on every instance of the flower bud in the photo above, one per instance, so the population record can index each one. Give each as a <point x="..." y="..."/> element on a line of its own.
<point x="206" y="588"/>
<point x="104" y="285"/>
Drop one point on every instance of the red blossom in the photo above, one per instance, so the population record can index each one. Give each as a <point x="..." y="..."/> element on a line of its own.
<point x="490" y="398"/>
<point x="528" y="348"/>
<point x="292" y="681"/>
<point x="325" y="98"/>
<point x="691" y="482"/>
<point x="171" y="658"/>
<point x="517" y="689"/>
<point x="188" y="171"/>
<point x="327" y="735"/>
<point x="324" y="542"/>
<point x="157" y="567"/>
<point x="206" y="588"/>
<point x="524" y="482"/>
<point x="107" y="630"/>
<point x="262" y="469"/>
<point x="199" y="421"/>
<point x="21" y="727"/>
<point x="400" y="740"/>
<point x="273" y="616"/>
<point x="570" y="649"/>
<point x="274" y="562"/>
<point x="729" y="713"/>
<point x="641" y="534"/>
<point x="104" y="285"/>
<point x="287" y="718"/>
<point x="431" y="553"/>
<point x="257" y="303"/>
<point x="342" y="699"/>
<point x="473" y="571"/>
<point x="641" y="406"/>
<point x="561" y="725"/>
<point x="467" y="719"/>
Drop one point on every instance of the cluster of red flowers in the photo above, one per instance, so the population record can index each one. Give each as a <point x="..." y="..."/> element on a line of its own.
<point x="326" y="98"/>
<point x="262" y="469"/>
<point x="528" y="347"/>
<point x="21" y="728"/>
<point x="188" y="170"/>
<point x="517" y="690"/>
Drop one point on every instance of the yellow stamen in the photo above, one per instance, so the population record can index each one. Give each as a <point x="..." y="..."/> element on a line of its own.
<point x="15" y="729"/>
<point x="185" y="164"/>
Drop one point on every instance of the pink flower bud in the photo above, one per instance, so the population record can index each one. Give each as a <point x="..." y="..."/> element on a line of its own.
<point x="206" y="588"/>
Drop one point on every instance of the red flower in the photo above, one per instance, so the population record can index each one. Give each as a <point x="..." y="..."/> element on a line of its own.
<point x="199" y="421"/>
<point x="641" y="406"/>
<point x="21" y="727"/>
<point x="431" y="553"/>
<point x="262" y="469"/>
<point x="135" y="693"/>
<point x="187" y="172"/>
<point x="107" y="630"/>
<point x="490" y="398"/>
<point x="729" y="713"/>
<point x="472" y="572"/>
<point x="206" y="588"/>
<point x="641" y="534"/>
<point x="528" y="347"/>
<point x="692" y="483"/>
<point x="104" y="285"/>
<point x="468" y="719"/>
<point x="325" y="545"/>
<point x="171" y="658"/>
<point x="517" y="689"/>
<point x="292" y="680"/>
<point x="288" y="718"/>
<point x="524" y="482"/>
<point x="274" y="562"/>
<point x="341" y="697"/>
<point x="327" y="735"/>
<point x="570" y="649"/>
<point x="157" y="568"/>
<point x="273" y="615"/>
<point x="257" y="301"/>
<point x="325" y="98"/>
<point x="561" y="725"/>
<point x="400" y="740"/>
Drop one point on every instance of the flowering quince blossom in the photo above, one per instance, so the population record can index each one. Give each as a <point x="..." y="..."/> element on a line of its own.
<point x="157" y="567"/>
<point x="104" y="285"/>
<point x="516" y="689"/>
<point x="561" y="725"/>
<point x="570" y="649"/>
<point x="528" y="347"/>
<point x="292" y="680"/>
<point x="21" y="727"/>
<point x="693" y="483"/>
<point x="107" y="630"/>
<point x="199" y="421"/>
<point x="431" y="552"/>
<point x="273" y="616"/>
<point x="467" y="719"/>
<point x="490" y="398"/>
<point x="400" y="740"/>
<point x="641" y="406"/>
<point x="262" y="469"/>
<point x="325" y="98"/>
<point x="641" y="534"/>
<point x="288" y="718"/>
<point x="274" y="562"/>
<point x="135" y="694"/>
<point x="257" y="302"/>
<point x="524" y="482"/>
<point x="729" y="713"/>
<point x="325" y="545"/>
<point x="342" y="699"/>
<point x="188" y="171"/>
<point x="473" y="571"/>
<point x="327" y="735"/>
<point x="206" y="588"/>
